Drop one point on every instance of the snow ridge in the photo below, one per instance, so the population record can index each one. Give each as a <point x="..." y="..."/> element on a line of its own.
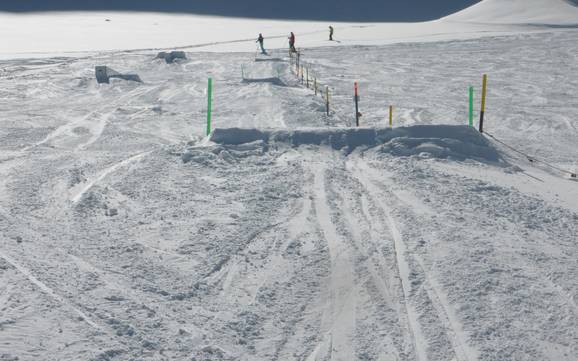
<point x="440" y="141"/>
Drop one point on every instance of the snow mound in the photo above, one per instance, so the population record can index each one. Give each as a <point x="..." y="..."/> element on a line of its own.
<point x="530" y="12"/>
<point x="271" y="80"/>
<point x="438" y="141"/>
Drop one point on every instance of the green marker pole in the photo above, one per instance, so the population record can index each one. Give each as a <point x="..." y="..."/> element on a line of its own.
<point x="471" y="106"/>
<point x="209" y="105"/>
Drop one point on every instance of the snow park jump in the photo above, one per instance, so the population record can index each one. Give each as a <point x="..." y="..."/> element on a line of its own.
<point x="459" y="142"/>
<point x="104" y="74"/>
<point x="171" y="57"/>
<point x="230" y="208"/>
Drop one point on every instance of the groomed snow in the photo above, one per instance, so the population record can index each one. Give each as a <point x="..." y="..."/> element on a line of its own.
<point x="52" y="34"/>
<point x="524" y="12"/>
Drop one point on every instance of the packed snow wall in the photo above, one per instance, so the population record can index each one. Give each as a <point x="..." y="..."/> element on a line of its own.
<point x="442" y="141"/>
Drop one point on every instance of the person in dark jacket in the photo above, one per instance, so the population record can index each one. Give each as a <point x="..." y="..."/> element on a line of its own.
<point x="330" y="33"/>
<point x="292" y="43"/>
<point x="261" y="40"/>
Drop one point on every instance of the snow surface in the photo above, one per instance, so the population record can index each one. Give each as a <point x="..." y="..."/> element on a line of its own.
<point x="69" y="33"/>
<point x="126" y="234"/>
<point x="537" y="12"/>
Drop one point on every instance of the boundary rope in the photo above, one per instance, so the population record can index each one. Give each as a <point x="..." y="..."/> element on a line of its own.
<point x="530" y="158"/>
<point x="300" y="68"/>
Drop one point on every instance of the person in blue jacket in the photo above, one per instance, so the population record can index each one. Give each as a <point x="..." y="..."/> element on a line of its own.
<point x="261" y="40"/>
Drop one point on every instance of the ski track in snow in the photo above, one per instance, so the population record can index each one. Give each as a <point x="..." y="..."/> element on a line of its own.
<point x="403" y="269"/>
<point x="463" y="352"/>
<point x="49" y="291"/>
<point x="263" y="252"/>
<point x="343" y="290"/>
<point x="93" y="123"/>
<point x="103" y="174"/>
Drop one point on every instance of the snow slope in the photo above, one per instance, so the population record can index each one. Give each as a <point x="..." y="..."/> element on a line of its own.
<point x="65" y="33"/>
<point x="525" y="12"/>
<point x="125" y="234"/>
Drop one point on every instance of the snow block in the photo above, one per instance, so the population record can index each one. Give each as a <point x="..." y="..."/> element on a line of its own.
<point x="268" y="60"/>
<point x="104" y="74"/>
<point x="237" y="136"/>
<point x="172" y="56"/>
<point x="271" y="80"/>
<point x="435" y="141"/>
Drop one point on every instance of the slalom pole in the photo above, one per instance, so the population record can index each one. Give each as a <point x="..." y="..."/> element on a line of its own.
<point x="483" y="110"/>
<point x="209" y="105"/>
<point x="471" y="112"/>
<point x="315" y="85"/>
<point x="356" y="105"/>
<point x="298" y="61"/>
<point x="391" y="116"/>
<point x="327" y="99"/>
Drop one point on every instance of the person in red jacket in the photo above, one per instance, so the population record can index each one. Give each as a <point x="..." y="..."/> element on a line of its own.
<point x="292" y="43"/>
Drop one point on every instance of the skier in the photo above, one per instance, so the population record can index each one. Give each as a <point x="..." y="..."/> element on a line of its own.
<point x="292" y="43"/>
<point x="260" y="40"/>
<point x="330" y="33"/>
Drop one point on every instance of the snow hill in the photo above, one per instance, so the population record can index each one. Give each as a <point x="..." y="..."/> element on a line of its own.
<point x="288" y="234"/>
<point x="526" y="12"/>
<point x="87" y="32"/>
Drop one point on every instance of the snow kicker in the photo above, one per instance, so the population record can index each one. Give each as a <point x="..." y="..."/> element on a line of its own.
<point x="104" y="74"/>
<point x="440" y="141"/>
<point x="172" y="56"/>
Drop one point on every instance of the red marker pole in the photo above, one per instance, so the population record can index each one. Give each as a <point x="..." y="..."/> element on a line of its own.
<point x="356" y="106"/>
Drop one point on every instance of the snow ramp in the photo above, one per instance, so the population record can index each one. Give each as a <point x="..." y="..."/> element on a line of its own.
<point x="439" y="141"/>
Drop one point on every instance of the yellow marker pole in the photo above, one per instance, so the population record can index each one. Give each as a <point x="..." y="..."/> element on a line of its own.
<point x="391" y="116"/>
<point x="482" y="112"/>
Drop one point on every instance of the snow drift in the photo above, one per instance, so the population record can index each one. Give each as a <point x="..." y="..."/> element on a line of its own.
<point x="440" y="141"/>
<point x="528" y="12"/>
